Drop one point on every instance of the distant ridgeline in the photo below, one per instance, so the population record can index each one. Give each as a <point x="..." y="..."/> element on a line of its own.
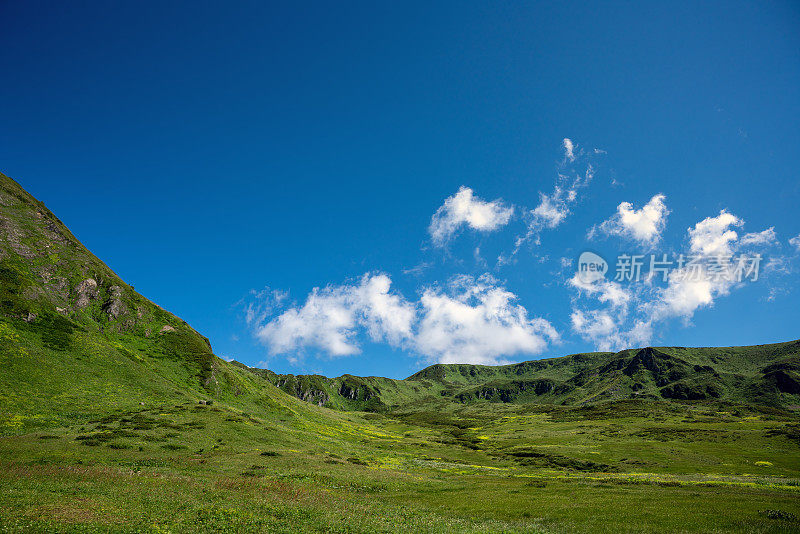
<point x="762" y="374"/>
<point x="76" y="340"/>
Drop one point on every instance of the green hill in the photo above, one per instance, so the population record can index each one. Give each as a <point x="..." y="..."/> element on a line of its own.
<point x="77" y="342"/>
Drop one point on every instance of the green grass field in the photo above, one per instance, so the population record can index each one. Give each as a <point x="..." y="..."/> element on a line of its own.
<point x="296" y="467"/>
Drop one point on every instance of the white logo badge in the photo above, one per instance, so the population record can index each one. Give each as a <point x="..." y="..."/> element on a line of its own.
<point x="591" y="267"/>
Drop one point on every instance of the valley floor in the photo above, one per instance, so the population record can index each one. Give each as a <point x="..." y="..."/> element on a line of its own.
<point x="621" y="467"/>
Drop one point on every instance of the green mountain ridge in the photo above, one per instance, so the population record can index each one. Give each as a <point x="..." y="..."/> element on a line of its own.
<point x="762" y="374"/>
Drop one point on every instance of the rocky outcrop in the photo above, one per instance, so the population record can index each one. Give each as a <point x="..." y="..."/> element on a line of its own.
<point x="87" y="291"/>
<point x="114" y="307"/>
<point x="507" y="391"/>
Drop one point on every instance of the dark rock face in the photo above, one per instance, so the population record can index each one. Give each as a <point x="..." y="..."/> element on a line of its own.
<point x="508" y="391"/>
<point x="353" y="389"/>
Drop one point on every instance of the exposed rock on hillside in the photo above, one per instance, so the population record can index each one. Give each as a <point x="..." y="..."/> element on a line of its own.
<point x="87" y="291"/>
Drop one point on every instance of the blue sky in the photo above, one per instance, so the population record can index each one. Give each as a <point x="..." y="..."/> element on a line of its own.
<point x="226" y="159"/>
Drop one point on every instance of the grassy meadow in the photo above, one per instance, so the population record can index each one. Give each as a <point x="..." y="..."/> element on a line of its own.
<point x="188" y="467"/>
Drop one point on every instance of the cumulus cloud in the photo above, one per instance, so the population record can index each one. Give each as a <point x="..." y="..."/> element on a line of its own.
<point x="690" y="288"/>
<point x="644" y="225"/>
<point x="632" y="313"/>
<point x="465" y="209"/>
<point x="477" y="321"/>
<point x="714" y="235"/>
<point x="684" y="295"/>
<point x="468" y="321"/>
<point x="795" y="242"/>
<point x="330" y="316"/>
<point x="605" y="327"/>
<point x="594" y="324"/>
<point x="387" y="316"/>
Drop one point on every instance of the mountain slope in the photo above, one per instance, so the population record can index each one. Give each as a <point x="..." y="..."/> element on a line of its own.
<point x="764" y="374"/>
<point x="77" y="342"/>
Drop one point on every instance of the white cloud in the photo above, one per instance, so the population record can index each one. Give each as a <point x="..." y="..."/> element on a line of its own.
<point x="606" y="291"/>
<point x="779" y="264"/>
<point x="554" y="208"/>
<point x="632" y="313"/>
<point x="569" y="149"/>
<point x="325" y="321"/>
<point x="604" y="329"/>
<point x="418" y="269"/>
<point x="795" y="242"/>
<point x="478" y="322"/>
<point x="594" y="324"/>
<point x="386" y="315"/>
<point x="764" y="238"/>
<point x="329" y="317"/>
<point x="644" y="225"/>
<point x="464" y="208"/>
<point x="470" y="321"/>
<point x="691" y="288"/>
<point x="713" y="236"/>
<point x="685" y="294"/>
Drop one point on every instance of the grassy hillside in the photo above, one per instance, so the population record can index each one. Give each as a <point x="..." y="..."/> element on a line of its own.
<point x="766" y="375"/>
<point x="75" y="339"/>
<point x="115" y="416"/>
